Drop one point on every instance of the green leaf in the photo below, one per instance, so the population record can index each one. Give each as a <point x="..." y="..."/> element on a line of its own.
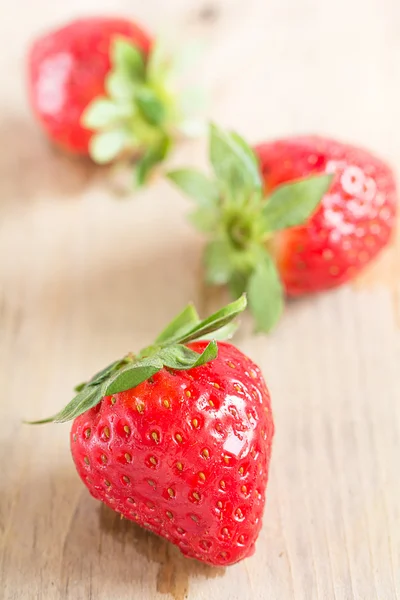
<point x="217" y="320"/>
<point x="132" y="375"/>
<point x="218" y="260"/>
<point x="238" y="284"/>
<point x="120" y="87"/>
<point x="209" y="353"/>
<point x="180" y="357"/>
<point x="106" y="146"/>
<point x="205" y="219"/>
<point x="152" y="157"/>
<point x="179" y="325"/>
<point x="40" y="421"/>
<point x="224" y="333"/>
<point x="124" y="379"/>
<point x="195" y="185"/>
<point x="102" y="113"/>
<point x="293" y="203"/>
<point x="104" y="373"/>
<point x="158" y="63"/>
<point x="126" y="58"/>
<point x="169" y="351"/>
<point x="150" y="106"/>
<point x="80" y="386"/>
<point x="88" y="398"/>
<point x="252" y="159"/>
<point x="233" y="162"/>
<point x="82" y="402"/>
<point x="265" y="294"/>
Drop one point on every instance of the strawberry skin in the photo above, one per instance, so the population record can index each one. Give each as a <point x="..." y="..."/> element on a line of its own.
<point x="185" y="455"/>
<point x="353" y="222"/>
<point x="67" y="69"/>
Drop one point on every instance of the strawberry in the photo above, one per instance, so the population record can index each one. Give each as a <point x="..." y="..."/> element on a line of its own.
<point x="352" y="224"/>
<point x="178" y="439"/>
<point x="294" y="216"/>
<point x="101" y="87"/>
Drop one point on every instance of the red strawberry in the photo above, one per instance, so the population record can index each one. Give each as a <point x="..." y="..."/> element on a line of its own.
<point x="268" y="234"/>
<point x="352" y="224"/>
<point x="185" y="452"/>
<point x="100" y="87"/>
<point x="67" y="70"/>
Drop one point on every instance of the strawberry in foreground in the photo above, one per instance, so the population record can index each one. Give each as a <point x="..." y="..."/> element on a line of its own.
<point x="178" y="438"/>
<point x="295" y="216"/>
<point x="101" y="87"/>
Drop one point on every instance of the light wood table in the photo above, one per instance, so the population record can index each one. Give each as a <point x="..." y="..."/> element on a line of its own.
<point x="84" y="278"/>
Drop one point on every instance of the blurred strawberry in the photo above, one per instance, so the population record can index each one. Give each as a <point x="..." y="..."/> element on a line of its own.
<point x="102" y="87"/>
<point x="353" y="223"/>
<point x="267" y="233"/>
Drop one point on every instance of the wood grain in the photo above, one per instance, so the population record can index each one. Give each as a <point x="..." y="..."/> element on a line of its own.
<point x="81" y="278"/>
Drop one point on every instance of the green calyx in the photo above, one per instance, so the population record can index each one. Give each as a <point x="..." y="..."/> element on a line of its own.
<point x="169" y="351"/>
<point x="239" y="220"/>
<point x="141" y="113"/>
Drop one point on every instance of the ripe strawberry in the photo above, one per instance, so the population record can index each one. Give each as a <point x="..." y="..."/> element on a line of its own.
<point x="183" y="450"/>
<point x="100" y="86"/>
<point x="267" y="233"/>
<point x="352" y="224"/>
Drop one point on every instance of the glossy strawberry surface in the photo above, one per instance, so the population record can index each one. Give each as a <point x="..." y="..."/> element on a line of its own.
<point x="185" y="455"/>
<point x="66" y="71"/>
<point x="353" y="223"/>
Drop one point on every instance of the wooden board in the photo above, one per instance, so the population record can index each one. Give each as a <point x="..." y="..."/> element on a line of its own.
<point x="82" y="277"/>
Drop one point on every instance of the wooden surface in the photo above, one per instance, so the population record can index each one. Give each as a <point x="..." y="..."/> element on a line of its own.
<point x="82" y="278"/>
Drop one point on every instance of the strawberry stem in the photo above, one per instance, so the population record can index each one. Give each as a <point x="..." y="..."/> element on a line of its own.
<point x="240" y="221"/>
<point x="169" y="351"/>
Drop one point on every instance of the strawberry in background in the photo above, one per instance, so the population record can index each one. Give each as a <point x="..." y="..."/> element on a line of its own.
<point x="292" y="217"/>
<point x="353" y="223"/>
<point x="102" y="87"/>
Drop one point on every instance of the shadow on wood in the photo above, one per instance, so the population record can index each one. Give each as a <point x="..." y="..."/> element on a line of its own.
<point x="174" y="569"/>
<point x="30" y="168"/>
<point x="72" y="546"/>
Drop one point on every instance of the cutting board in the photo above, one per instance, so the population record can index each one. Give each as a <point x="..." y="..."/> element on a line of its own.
<point x="86" y="277"/>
